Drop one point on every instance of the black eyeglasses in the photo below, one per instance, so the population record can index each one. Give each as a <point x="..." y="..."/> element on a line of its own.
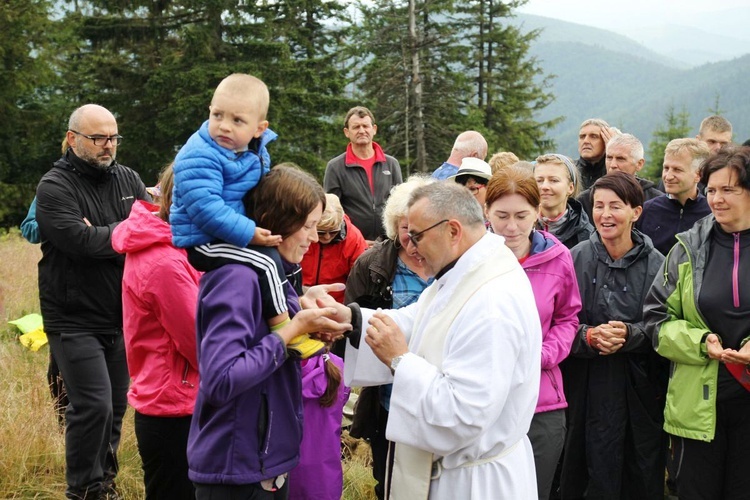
<point x="415" y="238"/>
<point x="101" y="140"/>
<point x="329" y="233"/>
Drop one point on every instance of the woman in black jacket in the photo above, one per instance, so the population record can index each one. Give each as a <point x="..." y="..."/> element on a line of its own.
<point x="614" y="381"/>
<point x="559" y="212"/>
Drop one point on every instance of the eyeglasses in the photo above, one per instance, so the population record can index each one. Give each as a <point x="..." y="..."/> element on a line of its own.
<point x="101" y="140"/>
<point x="475" y="189"/>
<point x="415" y="238"/>
<point x="329" y="233"/>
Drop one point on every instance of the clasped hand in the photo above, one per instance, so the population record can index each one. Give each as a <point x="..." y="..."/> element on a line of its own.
<point x="608" y="338"/>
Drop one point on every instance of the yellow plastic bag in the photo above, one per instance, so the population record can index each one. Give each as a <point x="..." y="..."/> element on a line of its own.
<point x="32" y="328"/>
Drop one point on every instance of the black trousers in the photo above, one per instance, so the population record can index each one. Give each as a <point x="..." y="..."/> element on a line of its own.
<point x="57" y="390"/>
<point x="96" y="379"/>
<point x="162" y="445"/>
<point x="547" y="436"/>
<point x="719" y="469"/>
<point x="239" y="492"/>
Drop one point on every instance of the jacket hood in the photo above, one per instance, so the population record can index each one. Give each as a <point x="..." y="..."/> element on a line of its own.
<point x="141" y="229"/>
<point x="645" y="183"/>
<point x="642" y="247"/>
<point x="314" y="380"/>
<point x="544" y="247"/>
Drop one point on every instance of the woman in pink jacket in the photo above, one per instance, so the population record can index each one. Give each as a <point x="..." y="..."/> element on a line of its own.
<point x="159" y="297"/>
<point x="512" y="206"/>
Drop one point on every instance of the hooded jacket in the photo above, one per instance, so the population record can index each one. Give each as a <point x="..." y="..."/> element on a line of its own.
<point x="319" y="475"/>
<point x="619" y="397"/>
<point x="247" y="423"/>
<point x="678" y="331"/>
<point x="159" y="294"/>
<point x="331" y="263"/>
<point x="210" y="183"/>
<point x="345" y="178"/>
<point x="80" y="275"/>
<point x="576" y="227"/>
<point x="591" y="171"/>
<point x="550" y="270"/>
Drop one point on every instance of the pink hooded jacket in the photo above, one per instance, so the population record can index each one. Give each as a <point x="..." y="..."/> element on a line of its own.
<point x="159" y="297"/>
<point x="553" y="280"/>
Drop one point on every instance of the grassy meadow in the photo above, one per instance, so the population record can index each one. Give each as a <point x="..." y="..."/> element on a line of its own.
<point x="32" y="446"/>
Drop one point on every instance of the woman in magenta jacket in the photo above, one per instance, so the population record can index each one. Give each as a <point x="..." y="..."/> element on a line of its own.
<point x="512" y="205"/>
<point x="159" y="297"/>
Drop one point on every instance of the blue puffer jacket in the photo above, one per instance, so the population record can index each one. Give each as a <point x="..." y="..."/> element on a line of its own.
<point x="209" y="184"/>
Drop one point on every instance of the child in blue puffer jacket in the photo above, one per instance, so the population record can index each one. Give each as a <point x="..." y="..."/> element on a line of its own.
<point x="214" y="171"/>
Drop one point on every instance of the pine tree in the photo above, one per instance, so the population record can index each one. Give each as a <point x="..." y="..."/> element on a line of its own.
<point x="156" y="64"/>
<point x="676" y="126"/>
<point x="509" y="85"/>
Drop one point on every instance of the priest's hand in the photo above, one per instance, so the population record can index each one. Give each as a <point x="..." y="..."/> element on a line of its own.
<point x="385" y="338"/>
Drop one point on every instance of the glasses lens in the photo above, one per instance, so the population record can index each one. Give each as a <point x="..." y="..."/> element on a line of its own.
<point x="102" y="141"/>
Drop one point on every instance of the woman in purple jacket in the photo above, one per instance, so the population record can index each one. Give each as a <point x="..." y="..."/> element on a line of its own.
<point x="247" y="426"/>
<point x="512" y="205"/>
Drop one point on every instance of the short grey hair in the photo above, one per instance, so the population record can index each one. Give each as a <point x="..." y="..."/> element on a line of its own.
<point x="631" y="142"/>
<point x="450" y="200"/>
<point x="397" y="205"/>
<point x="594" y="121"/>
<point x="470" y="142"/>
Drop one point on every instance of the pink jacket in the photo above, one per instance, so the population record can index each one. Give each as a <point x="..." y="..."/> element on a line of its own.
<point x="553" y="280"/>
<point x="159" y="297"/>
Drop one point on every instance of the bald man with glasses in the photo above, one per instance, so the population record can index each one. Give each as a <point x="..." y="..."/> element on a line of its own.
<point x="80" y="200"/>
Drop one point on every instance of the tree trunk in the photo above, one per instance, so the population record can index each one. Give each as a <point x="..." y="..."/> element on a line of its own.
<point x="416" y="83"/>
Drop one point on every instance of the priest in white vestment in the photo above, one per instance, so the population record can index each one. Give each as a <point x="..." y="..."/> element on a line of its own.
<point x="464" y="360"/>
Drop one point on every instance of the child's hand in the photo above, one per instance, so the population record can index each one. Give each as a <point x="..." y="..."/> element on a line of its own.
<point x="263" y="237"/>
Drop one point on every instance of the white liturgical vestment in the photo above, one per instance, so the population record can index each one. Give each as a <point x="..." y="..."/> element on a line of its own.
<point x="469" y="406"/>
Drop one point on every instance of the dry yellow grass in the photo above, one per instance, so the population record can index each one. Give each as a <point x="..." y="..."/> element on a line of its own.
<point x="32" y="458"/>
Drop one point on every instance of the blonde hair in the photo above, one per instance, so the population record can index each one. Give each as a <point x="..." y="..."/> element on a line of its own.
<point x="501" y="160"/>
<point x="569" y="167"/>
<point x="166" y="183"/>
<point x="248" y="87"/>
<point x="397" y="205"/>
<point x="333" y="215"/>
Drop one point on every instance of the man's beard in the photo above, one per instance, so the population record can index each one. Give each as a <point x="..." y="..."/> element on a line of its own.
<point x="99" y="161"/>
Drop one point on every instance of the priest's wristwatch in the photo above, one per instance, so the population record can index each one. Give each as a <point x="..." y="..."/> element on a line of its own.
<point x="394" y="363"/>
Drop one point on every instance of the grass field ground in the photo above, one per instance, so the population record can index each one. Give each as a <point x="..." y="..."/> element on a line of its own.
<point x="32" y="454"/>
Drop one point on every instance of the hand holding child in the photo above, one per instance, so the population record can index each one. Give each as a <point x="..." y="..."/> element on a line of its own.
<point x="263" y="237"/>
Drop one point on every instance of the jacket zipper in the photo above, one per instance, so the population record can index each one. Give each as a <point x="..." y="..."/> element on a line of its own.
<point x="735" y="271"/>
<point x="185" y="374"/>
<point x="554" y="385"/>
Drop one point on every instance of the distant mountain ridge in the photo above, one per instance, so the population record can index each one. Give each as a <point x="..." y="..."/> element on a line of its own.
<point x="606" y="75"/>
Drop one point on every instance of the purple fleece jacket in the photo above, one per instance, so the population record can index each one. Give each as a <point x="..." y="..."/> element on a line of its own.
<point x="247" y="424"/>
<point x="553" y="280"/>
<point x="319" y="475"/>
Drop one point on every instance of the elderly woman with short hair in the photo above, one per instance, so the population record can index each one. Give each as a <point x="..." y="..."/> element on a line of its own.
<point x="340" y="243"/>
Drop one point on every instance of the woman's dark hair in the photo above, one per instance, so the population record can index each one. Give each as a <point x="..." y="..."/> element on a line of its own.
<point x="625" y="186"/>
<point x="283" y="199"/>
<point x="735" y="157"/>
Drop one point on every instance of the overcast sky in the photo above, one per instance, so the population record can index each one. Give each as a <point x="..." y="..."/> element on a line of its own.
<point x="614" y="14"/>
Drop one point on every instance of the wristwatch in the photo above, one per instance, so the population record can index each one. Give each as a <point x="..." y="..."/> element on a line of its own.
<point x="394" y="363"/>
